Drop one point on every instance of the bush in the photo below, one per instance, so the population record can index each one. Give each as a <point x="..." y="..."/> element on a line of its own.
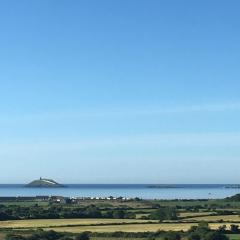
<point x="234" y="228"/>
<point x="215" y="236"/>
<point x="49" y="235"/>
<point x="172" y="236"/>
<point x="194" y="236"/>
<point x="164" y="214"/>
<point x="82" y="236"/>
<point x="14" y="237"/>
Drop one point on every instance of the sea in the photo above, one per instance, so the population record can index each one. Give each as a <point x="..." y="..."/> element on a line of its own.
<point x="143" y="191"/>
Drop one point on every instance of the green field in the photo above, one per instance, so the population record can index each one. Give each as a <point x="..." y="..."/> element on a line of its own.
<point x="138" y="217"/>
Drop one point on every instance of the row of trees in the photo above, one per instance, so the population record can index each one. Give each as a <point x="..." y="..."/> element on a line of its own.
<point x="49" y="235"/>
<point x="55" y="212"/>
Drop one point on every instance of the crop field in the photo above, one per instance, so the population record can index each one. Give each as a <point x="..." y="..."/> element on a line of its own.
<point x="127" y="228"/>
<point x="101" y="225"/>
<point x="194" y="214"/>
<point x="136" y="227"/>
<point x="225" y="218"/>
<point x="43" y="223"/>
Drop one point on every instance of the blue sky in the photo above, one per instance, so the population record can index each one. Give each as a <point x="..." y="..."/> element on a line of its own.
<point x="120" y="91"/>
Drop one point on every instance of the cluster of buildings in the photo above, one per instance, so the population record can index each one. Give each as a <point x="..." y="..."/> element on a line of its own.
<point x="60" y="199"/>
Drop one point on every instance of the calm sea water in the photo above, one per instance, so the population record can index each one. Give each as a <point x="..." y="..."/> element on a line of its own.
<point x="178" y="191"/>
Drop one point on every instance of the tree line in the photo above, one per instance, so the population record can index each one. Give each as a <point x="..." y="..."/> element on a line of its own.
<point x="14" y="212"/>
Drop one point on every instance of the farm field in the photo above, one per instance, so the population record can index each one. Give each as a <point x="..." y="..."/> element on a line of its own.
<point x="194" y="214"/>
<point x="127" y="228"/>
<point x="136" y="227"/>
<point x="104" y="220"/>
<point x="102" y="225"/>
<point x="44" y="223"/>
<point x="225" y="218"/>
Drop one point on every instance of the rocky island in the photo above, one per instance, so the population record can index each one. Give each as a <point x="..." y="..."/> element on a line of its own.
<point x="44" y="183"/>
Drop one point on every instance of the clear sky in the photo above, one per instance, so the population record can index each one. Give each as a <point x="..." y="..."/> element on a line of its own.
<point x="123" y="91"/>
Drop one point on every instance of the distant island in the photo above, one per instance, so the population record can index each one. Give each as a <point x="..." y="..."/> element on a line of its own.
<point x="164" y="186"/>
<point x="44" y="183"/>
<point x="232" y="186"/>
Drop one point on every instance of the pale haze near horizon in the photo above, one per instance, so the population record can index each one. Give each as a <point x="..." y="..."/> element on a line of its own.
<point x="120" y="91"/>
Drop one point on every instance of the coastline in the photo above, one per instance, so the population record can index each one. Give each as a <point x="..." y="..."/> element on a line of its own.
<point x="181" y="191"/>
